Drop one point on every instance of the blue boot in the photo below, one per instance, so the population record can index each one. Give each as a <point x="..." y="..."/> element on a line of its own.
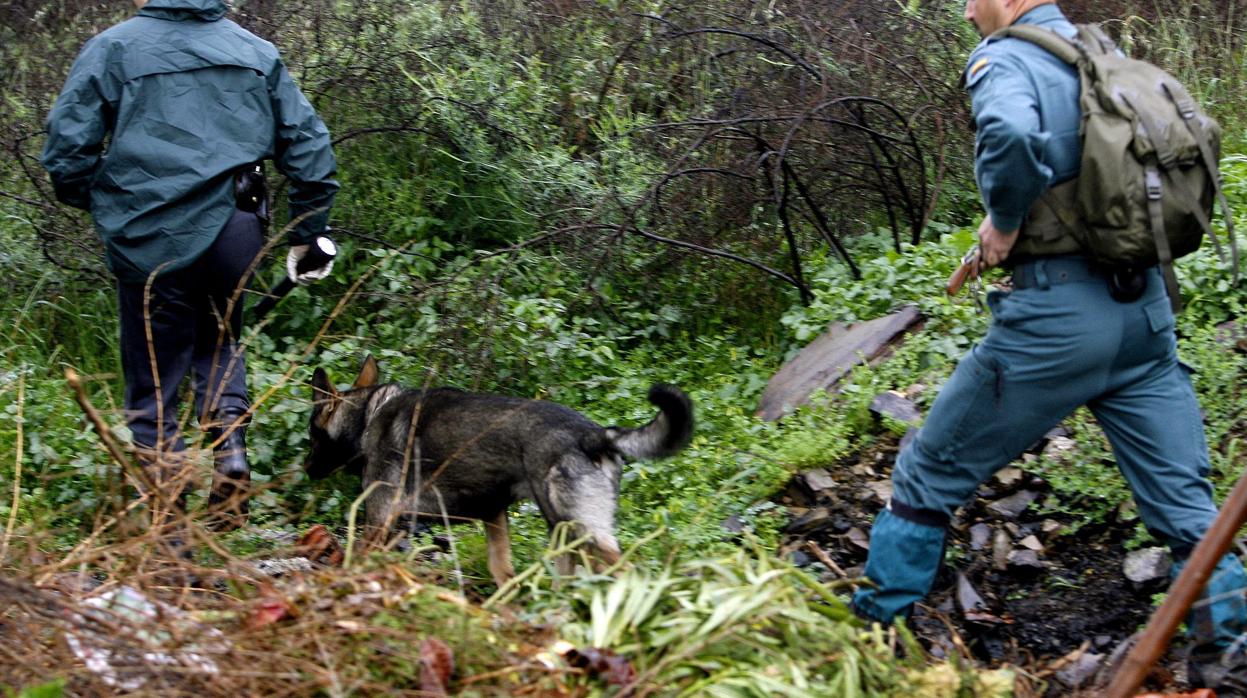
<point x="904" y="559"/>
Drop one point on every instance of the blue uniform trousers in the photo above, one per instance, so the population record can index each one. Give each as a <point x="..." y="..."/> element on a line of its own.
<point x="1056" y="342"/>
<point x="190" y="332"/>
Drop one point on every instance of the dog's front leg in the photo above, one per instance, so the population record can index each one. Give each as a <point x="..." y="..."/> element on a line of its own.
<point x="498" y="538"/>
<point x="381" y="502"/>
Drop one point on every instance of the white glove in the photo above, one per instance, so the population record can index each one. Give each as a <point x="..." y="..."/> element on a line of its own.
<point x="297" y="253"/>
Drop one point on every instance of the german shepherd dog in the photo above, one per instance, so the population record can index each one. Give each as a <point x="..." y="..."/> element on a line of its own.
<point x="471" y="455"/>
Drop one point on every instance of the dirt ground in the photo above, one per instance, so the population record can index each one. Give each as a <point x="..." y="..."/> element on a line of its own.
<point x="1057" y="612"/>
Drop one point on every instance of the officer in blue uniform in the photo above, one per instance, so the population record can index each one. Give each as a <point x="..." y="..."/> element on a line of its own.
<point x="1058" y="340"/>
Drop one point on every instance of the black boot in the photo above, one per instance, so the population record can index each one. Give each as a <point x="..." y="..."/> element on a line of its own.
<point x="231" y="479"/>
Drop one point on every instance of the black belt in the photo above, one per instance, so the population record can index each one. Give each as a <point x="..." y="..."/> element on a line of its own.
<point x="1050" y="271"/>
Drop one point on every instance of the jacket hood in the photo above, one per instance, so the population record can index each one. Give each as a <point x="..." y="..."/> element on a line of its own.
<point x="204" y="10"/>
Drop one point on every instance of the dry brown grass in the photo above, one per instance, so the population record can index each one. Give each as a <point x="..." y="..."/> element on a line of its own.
<point x="228" y="629"/>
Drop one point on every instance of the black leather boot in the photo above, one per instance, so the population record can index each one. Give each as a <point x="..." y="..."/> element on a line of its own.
<point x="231" y="478"/>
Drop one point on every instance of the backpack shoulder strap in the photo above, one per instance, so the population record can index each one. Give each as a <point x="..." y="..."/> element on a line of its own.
<point x="1094" y="38"/>
<point x="1050" y="41"/>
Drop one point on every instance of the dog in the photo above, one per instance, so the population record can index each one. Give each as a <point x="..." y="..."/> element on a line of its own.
<point x="443" y="452"/>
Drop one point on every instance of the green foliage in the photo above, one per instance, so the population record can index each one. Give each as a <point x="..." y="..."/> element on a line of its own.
<point x="741" y="626"/>
<point x="459" y="221"/>
<point x="916" y="275"/>
<point x="51" y="689"/>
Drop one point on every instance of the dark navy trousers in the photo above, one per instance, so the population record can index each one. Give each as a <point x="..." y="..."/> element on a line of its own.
<point x="186" y="325"/>
<point x="1058" y="342"/>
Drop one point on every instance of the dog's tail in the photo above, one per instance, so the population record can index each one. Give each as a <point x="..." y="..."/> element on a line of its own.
<point x="666" y="434"/>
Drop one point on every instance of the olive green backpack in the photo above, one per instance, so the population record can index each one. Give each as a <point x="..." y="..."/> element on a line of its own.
<point x="1149" y="162"/>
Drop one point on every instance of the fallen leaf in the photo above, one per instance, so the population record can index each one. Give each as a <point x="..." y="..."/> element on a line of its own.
<point x="319" y="546"/>
<point x="269" y="610"/>
<point x="437" y="663"/>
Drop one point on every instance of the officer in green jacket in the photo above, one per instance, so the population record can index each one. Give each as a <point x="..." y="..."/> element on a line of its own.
<point x="1065" y="336"/>
<point x="157" y="120"/>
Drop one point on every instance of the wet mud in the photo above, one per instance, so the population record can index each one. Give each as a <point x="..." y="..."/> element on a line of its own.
<point x="1020" y="586"/>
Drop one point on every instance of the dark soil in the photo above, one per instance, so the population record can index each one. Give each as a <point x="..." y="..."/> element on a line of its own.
<point x="1076" y="601"/>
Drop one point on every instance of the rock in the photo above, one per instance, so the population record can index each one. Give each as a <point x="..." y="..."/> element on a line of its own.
<point x="859" y="538"/>
<point x="817" y="480"/>
<point x="986" y="492"/>
<point x="733" y="524"/>
<point x="810" y="521"/>
<point x="1102" y="641"/>
<point x="1001" y="547"/>
<point x="1031" y="543"/>
<point x="880" y="492"/>
<point x="980" y="534"/>
<point x="914" y="390"/>
<point x="1149" y="564"/>
<point x="279" y="567"/>
<point x="1025" y="560"/>
<point x="1057" y="432"/>
<point x="1080" y="670"/>
<point x="276" y="535"/>
<point x="1013" y="529"/>
<point x="895" y="405"/>
<point x="967" y="598"/>
<point x="799" y="559"/>
<point x="1051" y="526"/>
<point x="1008" y="477"/>
<point x="1058" y="447"/>
<point x="1012" y="506"/>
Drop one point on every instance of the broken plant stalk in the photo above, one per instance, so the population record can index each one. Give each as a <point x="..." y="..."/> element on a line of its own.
<point x="1182" y="594"/>
<point x="140" y="474"/>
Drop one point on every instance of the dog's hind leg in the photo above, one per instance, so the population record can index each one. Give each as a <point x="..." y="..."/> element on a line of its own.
<point x="498" y="538"/>
<point x="584" y="492"/>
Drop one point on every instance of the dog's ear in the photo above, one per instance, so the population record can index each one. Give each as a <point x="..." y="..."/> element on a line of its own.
<point x="323" y="393"/>
<point x="368" y="373"/>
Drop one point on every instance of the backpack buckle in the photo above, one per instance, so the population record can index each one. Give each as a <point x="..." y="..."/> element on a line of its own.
<point x="1151" y="181"/>
<point x="1185" y="105"/>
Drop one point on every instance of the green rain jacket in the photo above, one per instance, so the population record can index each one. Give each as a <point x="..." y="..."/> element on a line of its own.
<point x="184" y="99"/>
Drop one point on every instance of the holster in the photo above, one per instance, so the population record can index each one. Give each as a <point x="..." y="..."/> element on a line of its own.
<point x="1125" y="284"/>
<point x="251" y="191"/>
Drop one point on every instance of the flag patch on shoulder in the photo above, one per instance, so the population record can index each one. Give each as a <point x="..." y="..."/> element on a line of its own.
<point x="977" y="71"/>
